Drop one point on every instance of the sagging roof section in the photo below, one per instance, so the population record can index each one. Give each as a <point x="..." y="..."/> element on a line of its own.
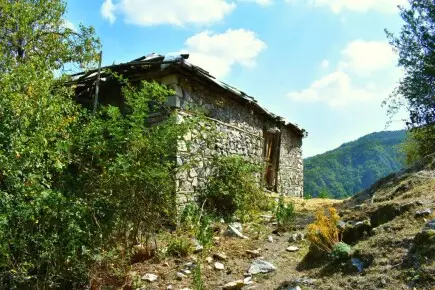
<point x="161" y="63"/>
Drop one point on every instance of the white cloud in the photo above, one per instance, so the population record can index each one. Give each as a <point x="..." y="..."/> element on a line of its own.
<point x="356" y="78"/>
<point x="175" y="12"/>
<point x="365" y="57"/>
<point x="324" y="64"/>
<point x="259" y="2"/>
<point x="337" y="6"/>
<point x="108" y="10"/>
<point x="217" y="53"/>
<point x="335" y="89"/>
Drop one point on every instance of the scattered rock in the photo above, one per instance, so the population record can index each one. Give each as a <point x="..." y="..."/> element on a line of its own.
<point x="220" y="256"/>
<point x="189" y="265"/>
<point x="235" y="285"/>
<point x="424" y="212"/>
<point x="169" y="287"/>
<point x="292" y="249"/>
<point x="209" y="260"/>
<point x="430" y="225"/>
<point x="294" y="288"/>
<point x="270" y="239"/>
<point x="296" y="237"/>
<point x="293" y="238"/>
<point x="247" y="280"/>
<point x="261" y="266"/>
<point x="186" y="271"/>
<point x="253" y="253"/>
<point x="150" y="277"/>
<point x="306" y="281"/>
<point x="180" y="276"/>
<point x="166" y="264"/>
<point x="198" y="249"/>
<point x="358" y="264"/>
<point x="234" y="232"/>
<point x="237" y="226"/>
<point x="341" y="225"/>
<point x="219" y="266"/>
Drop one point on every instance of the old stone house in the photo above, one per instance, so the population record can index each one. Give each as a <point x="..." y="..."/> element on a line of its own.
<point x="248" y="129"/>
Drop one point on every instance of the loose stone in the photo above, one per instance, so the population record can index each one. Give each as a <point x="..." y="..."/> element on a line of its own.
<point x="150" y="277"/>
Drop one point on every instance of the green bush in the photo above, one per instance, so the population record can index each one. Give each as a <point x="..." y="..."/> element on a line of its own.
<point x="179" y="246"/>
<point x="419" y="143"/>
<point x="284" y="213"/>
<point x="232" y="188"/>
<point x="341" y="251"/>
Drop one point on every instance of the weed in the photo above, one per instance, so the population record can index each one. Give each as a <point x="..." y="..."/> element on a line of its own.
<point x="284" y="213"/>
<point x="179" y="246"/>
<point x="197" y="278"/>
<point x="323" y="233"/>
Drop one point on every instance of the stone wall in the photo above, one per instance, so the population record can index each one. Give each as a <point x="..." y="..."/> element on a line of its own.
<point x="240" y="132"/>
<point x="290" y="175"/>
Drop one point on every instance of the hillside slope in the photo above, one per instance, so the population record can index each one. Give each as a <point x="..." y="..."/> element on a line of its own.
<point x="354" y="166"/>
<point x="390" y="226"/>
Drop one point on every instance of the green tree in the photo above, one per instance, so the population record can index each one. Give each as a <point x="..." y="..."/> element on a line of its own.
<point x="416" y="48"/>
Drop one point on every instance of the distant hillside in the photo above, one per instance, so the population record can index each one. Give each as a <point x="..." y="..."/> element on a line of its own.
<point x="354" y="166"/>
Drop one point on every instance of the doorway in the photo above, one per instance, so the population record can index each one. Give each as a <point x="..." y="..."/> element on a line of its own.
<point x="271" y="158"/>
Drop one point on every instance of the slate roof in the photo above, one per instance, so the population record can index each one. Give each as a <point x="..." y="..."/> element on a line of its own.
<point x="162" y="63"/>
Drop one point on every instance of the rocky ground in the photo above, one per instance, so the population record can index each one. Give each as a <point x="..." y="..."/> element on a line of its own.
<point x="390" y="226"/>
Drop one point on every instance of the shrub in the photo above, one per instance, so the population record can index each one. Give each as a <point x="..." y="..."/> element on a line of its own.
<point x="341" y="251"/>
<point x="284" y="213"/>
<point x="324" y="233"/>
<point x="232" y="188"/>
<point x="179" y="246"/>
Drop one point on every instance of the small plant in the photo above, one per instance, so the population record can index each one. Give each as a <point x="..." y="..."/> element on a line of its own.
<point x="323" y="233"/>
<point x="284" y="213"/>
<point x="308" y="196"/>
<point x="179" y="246"/>
<point x="341" y="251"/>
<point x="232" y="188"/>
<point x="197" y="278"/>
<point x="204" y="233"/>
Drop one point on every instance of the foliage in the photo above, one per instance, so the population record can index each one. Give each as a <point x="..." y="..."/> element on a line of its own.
<point x="197" y="278"/>
<point x="204" y="234"/>
<point x="418" y="143"/>
<point x="179" y="246"/>
<point x="36" y="35"/>
<point x="47" y="236"/>
<point x="341" y="251"/>
<point x="354" y="166"/>
<point x="232" y="188"/>
<point x="416" y="49"/>
<point x="284" y="213"/>
<point x="324" y="233"/>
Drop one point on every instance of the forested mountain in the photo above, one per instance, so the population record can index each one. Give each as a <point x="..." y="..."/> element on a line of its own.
<point x="354" y="166"/>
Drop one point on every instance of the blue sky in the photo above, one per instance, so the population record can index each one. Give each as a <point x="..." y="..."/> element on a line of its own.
<point x="323" y="64"/>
